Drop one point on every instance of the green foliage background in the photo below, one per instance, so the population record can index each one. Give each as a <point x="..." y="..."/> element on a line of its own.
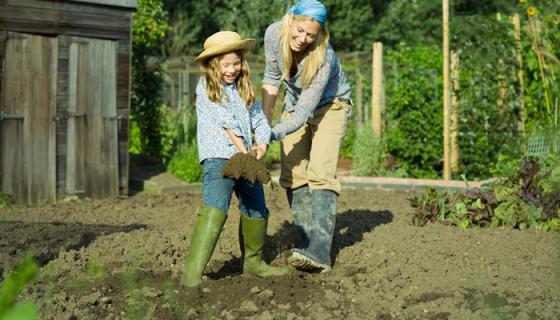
<point x="149" y="28"/>
<point x="486" y="129"/>
<point x="414" y="117"/>
<point x="411" y="33"/>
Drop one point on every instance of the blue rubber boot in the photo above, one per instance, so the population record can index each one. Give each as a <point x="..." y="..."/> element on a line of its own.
<point x="317" y="255"/>
<point x="300" y="202"/>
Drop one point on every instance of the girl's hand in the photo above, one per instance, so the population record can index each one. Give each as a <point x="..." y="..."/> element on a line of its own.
<point x="260" y="150"/>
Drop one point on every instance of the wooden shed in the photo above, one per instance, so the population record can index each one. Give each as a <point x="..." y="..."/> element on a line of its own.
<point x="64" y="98"/>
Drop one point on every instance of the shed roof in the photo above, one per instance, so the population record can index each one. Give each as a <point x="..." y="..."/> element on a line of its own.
<point x="115" y="3"/>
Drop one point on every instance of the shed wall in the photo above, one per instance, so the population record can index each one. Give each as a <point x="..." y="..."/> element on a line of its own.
<point x="63" y="19"/>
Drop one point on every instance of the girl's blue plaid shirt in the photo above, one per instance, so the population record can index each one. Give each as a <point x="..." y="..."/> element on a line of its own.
<point x="213" y="118"/>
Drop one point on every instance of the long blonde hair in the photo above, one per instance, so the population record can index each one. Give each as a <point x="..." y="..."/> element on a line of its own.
<point x="317" y="50"/>
<point x="210" y="68"/>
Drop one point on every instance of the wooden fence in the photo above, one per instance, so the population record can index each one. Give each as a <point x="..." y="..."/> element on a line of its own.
<point x="183" y="75"/>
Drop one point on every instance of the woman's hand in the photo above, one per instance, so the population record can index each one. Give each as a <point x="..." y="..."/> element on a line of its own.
<point x="260" y="150"/>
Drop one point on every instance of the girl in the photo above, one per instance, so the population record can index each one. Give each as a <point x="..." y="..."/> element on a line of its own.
<point x="227" y="115"/>
<point x="316" y="109"/>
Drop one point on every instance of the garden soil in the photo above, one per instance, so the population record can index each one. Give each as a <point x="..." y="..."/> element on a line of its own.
<point x="122" y="259"/>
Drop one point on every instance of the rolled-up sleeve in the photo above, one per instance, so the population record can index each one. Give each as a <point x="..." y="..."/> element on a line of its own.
<point x="307" y="101"/>
<point x="259" y="124"/>
<point x="272" y="72"/>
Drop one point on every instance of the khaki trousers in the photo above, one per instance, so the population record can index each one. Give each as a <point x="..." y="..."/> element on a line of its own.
<point x="310" y="154"/>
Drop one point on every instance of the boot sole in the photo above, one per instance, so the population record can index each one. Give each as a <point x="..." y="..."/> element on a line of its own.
<point x="301" y="262"/>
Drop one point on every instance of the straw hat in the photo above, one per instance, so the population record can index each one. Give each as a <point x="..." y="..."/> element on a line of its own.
<point x="223" y="42"/>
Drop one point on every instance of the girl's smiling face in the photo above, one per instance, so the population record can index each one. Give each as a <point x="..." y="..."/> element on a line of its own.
<point x="304" y="32"/>
<point x="230" y="67"/>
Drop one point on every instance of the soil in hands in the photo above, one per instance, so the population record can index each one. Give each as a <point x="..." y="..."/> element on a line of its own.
<point x="246" y="166"/>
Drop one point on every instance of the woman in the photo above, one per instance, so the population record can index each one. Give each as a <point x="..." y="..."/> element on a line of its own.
<point x="316" y="108"/>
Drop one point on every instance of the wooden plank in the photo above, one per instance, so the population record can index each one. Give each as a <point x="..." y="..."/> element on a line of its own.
<point x="377" y="90"/>
<point x="446" y="94"/>
<point x="359" y="94"/>
<point x="74" y="19"/>
<point x="72" y="144"/>
<point x="28" y="145"/>
<point x="92" y="98"/>
<point x="455" y="73"/>
<point x="65" y="6"/>
<point x="123" y="106"/>
<point x="61" y="111"/>
<point x="114" y="3"/>
<point x="519" y="58"/>
<point x="108" y="51"/>
<point x="2" y="43"/>
<point x="54" y="29"/>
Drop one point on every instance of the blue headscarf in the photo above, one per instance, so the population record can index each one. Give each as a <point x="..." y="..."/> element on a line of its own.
<point x="310" y="8"/>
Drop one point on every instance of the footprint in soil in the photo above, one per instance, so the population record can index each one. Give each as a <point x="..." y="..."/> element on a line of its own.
<point x="351" y="225"/>
<point x="246" y="165"/>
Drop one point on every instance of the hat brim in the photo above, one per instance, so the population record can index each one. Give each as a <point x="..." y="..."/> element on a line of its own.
<point x="234" y="46"/>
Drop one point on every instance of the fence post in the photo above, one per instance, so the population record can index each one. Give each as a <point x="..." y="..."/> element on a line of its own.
<point x="454" y="115"/>
<point x="359" y="93"/>
<point x="377" y="90"/>
<point x="187" y="92"/>
<point x="517" y="28"/>
<point x="502" y="90"/>
<point x="446" y="95"/>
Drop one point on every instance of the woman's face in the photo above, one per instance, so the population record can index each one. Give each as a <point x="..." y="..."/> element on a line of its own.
<point x="303" y="34"/>
<point x="230" y="67"/>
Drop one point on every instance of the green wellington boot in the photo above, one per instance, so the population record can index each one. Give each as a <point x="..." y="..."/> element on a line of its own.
<point x="252" y="232"/>
<point x="209" y="224"/>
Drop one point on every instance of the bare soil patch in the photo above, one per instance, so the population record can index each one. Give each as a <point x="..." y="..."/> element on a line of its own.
<point x="122" y="259"/>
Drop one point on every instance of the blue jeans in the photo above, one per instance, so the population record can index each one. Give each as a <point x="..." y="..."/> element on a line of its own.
<point x="218" y="190"/>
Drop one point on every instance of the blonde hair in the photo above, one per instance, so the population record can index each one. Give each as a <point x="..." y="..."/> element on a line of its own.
<point x="210" y="68"/>
<point x="317" y="50"/>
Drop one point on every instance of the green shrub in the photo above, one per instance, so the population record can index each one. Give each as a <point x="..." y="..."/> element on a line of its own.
<point x="348" y="142"/>
<point x="488" y="107"/>
<point x="414" y="110"/>
<point x="148" y="32"/>
<point x="367" y="153"/>
<point x="12" y="285"/>
<point x="184" y="163"/>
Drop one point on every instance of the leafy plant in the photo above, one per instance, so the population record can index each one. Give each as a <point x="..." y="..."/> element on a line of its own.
<point x="12" y="285"/>
<point x="530" y="198"/>
<point x="541" y="47"/>
<point x="136" y="301"/>
<point x="184" y="163"/>
<point x="367" y="153"/>
<point x="414" y="117"/>
<point x="149" y="28"/>
<point x="487" y="94"/>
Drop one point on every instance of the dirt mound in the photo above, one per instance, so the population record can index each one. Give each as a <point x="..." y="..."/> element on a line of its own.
<point x="122" y="259"/>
